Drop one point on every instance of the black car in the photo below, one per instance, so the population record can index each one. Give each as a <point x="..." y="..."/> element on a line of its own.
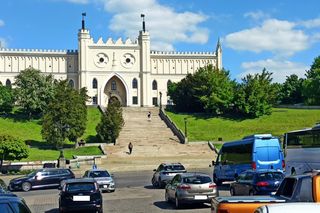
<point x="13" y="204"/>
<point x="261" y="182"/>
<point x="80" y="195"/>
<point x="41" y="178"/>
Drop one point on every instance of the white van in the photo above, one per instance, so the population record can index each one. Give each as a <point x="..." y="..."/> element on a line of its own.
<point x="290" y="207"/>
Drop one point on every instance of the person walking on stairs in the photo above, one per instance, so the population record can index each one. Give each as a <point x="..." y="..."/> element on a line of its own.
<point x="130" y="147"/>
<point x="149" y="116"/>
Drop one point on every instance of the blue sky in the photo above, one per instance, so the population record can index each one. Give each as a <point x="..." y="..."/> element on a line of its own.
<point x="281" y="35"/>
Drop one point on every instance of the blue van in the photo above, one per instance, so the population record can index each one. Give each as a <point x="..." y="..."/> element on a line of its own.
<point x="252" y="152"/>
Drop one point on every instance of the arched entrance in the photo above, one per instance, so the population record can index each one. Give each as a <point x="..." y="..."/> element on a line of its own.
<point x="115" y="90"/>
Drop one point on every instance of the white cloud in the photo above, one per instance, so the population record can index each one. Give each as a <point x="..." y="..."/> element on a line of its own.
<point x="165" y="25"/>
<point x="1" y="23"/>
<point x="312" y="23"/>
<point x="79" y="1"/>
<point x="3" y="43"/>
<point x="257" y="15"/>
<point x="280" y="69"/>
<point x="273" y="35"/>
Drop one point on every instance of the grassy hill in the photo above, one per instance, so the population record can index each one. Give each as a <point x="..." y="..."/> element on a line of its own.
<point x="30" y="131"/>
<point x="202" y="127"/>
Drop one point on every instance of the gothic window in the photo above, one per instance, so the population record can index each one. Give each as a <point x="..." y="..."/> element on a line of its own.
<point x="95" y="100"/>
<point x="8" y="83"/>
<point x="113" y="85"/>
<point x="134" y="83"/>
<point x="155" y="101"/>
<point x="135" y="100"/>
<point x="168" y="84"/>
<point x="71" y="83"/>
<point x="94" y="83"/>
<point x="154" y="85"/>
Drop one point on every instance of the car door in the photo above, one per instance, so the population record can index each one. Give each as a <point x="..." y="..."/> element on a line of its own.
<point x="173" y="186"/>
<point x="247" y="186"/>
<point x="238" y="185"/>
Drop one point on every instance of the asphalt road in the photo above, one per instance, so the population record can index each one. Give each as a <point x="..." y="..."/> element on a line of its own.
<point x="134" y="193"/>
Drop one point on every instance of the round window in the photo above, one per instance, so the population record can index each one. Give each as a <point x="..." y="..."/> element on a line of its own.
<point x="101" y="60"/>
<point x="128" y="60"/>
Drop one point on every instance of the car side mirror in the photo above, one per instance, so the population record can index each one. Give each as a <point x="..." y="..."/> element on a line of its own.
<point x="213" y="163"/>
<point x="154" y="170"/>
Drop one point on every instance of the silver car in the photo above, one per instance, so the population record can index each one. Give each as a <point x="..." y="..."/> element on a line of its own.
<point x="103" y="178"/>
<point x="190" y="188"/>
<point x="165" y="172"/>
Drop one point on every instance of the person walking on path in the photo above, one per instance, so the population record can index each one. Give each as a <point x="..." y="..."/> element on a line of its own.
<point x="130" y="147"/>
<point x="149" y="116"/>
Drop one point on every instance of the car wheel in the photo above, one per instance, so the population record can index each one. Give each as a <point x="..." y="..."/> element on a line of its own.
<point x="251" y="193"/>
<point x="166" y="197"/>
<point x="177" y="203"/>
<point x="232" y="191"/>
<point x="26" y="186"/>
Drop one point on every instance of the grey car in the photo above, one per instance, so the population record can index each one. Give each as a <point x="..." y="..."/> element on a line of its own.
<point x="190" y="188"/>
<point x="103" y="178"/>
<point x="165" y="172"/>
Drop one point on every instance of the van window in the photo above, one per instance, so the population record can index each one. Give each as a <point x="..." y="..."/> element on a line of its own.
<point x="238" y="154"/>
<point x="5" y="208"/>
<point x="267" y="153"/>
<point x="286" y="188"/>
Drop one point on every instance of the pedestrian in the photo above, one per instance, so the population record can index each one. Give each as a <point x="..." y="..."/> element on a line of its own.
<point x="130" y="147"/>
<point x="149" y="116"/>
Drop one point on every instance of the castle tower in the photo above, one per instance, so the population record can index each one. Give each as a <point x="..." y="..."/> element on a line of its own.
<point x="145" y="71"/>
<point x="219" y="54"/>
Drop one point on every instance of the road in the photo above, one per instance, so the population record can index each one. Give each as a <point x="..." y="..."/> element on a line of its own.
<point x="134" y="194"/>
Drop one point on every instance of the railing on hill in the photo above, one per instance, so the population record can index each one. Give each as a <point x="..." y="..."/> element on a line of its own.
<point x="182" y="138"/>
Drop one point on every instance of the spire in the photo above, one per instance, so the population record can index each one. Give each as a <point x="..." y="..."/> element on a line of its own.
<point x="83" y="23"/>
<point x="143" y="23"/>
<point x="218" y="45"/>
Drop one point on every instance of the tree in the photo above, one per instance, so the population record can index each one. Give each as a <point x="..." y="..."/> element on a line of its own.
<point x="66" y="116"/>
<point x="255" y="95"/>
<point x="111" y="123"/>
<point x="6" y="99"/>
<point x="291" y="90"/>
<point x="209" y="89"/>
<point x="12" y="148"/>
<point x="34" y="91"/>
<point x="311" y="86"/>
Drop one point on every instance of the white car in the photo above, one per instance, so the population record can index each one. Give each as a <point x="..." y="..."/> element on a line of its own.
<point x="290" y="207"/>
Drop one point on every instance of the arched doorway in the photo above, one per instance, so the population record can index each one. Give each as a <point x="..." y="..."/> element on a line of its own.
<point x="115" y="90"/>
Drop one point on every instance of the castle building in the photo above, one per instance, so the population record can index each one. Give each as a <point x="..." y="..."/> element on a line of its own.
<point x="125" y="70"/>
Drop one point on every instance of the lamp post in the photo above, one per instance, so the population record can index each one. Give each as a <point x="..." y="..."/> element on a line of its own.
<point x="160" y="100"/>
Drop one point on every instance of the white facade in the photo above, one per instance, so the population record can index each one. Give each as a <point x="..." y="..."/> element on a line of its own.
<point x="126" y="70"/>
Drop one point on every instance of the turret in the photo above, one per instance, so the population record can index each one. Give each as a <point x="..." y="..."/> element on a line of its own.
<point x="219" y="55"/>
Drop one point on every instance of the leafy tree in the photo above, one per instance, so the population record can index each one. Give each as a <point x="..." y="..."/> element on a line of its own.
<point x="255" y="95"/>
<point x="311" y="86"/>
<point x="12" y="149"/>
<point x="111" y="123"/>
<point x="6" y="99"/>
<point x="291" y="90"/>
<point x="208" y="89"/>
<point x="33" y="91"/>
<point x="66" y="116"/>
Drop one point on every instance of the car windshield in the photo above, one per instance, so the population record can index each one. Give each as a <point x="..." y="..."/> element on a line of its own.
<point x="32" y="174"/>
<point x="74" y="187"/>
<point x="173" y="167"/>
<point x="95" y="174"/>
<point x="270" y="176"/>
<point x="197" y="179"/>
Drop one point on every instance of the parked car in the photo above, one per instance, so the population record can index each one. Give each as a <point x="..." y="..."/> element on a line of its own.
<point x="13" y="204"/>
<point x="165" y="173"/>
<point x="290" y="207"/>
<point x="103" y="178"/>
<point x="80" y="195"/>
<point x="261" y="182"/>
<point x="190" y="188"/>
<point x="41" y="178"/>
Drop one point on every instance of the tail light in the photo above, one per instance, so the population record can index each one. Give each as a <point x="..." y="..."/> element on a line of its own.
<point x="254" y="165"/>
<point x="263" y="183"/>
<point x="184" y="187"/>
<point x="283" y="164"/>
<point x="223" y="211"/>
<point x="212" y="185"/>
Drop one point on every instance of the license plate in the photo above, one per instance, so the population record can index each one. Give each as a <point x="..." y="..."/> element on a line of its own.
<point x="105" y="186"/>
<point x="81" y="198"/>
<point x="200" y="197"/>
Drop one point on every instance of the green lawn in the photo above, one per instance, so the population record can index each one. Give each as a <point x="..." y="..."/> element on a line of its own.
<point x="204" y="128"/>
<point x="30" y="131"/>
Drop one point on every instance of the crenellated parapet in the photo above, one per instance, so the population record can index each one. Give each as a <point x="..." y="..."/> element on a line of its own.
<point x="161" y="53"/>
<point x="118" y="42"/>
<point x="35" y="51"/>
